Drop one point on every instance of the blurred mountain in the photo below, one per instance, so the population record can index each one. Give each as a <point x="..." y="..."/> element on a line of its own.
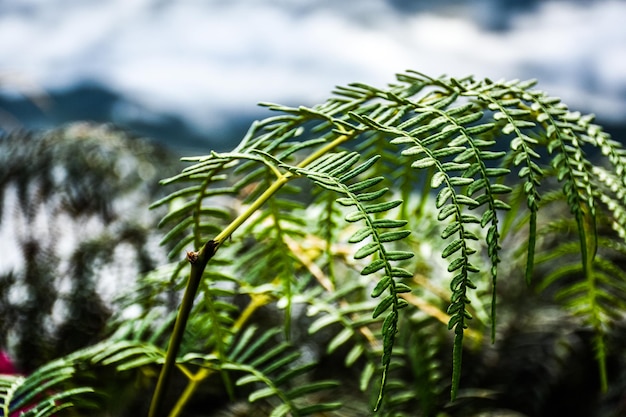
<point x="93" y="103"/>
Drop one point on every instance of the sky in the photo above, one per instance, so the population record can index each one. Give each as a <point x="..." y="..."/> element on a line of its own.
<point x="209" y="61"/>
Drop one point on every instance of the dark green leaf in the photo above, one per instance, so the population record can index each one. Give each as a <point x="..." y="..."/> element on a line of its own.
<point x="384" y="304"/>
<point x="381" y="207"/>
<point x="393" y="236"/>
<point x="400" y="273"/>
<point x="447" y="211"/>
<point x="442" y="197"/>
<point x="367" y="250"/>
<point x="381" y="286"/>
<point x="365" y="184"/>
<point x="372" y="195"/>
<point x="399" y="255"/>
<point x="359" y="169"/>
<point x="453" y="247"/>
<point x="359" y="235"/>
<point x="376" y="265"/>
<point x="388" y="223"/>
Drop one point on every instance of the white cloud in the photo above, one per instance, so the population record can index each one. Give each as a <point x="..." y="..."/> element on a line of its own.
<point x="203" y="59"/>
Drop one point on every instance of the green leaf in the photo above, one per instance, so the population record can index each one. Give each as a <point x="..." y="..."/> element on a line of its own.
<point x="456" y="264"/>
<point x="355" y="216"/>
<point x="425" y="162"/>
<point x="359" y="235"/>
<point x="402" y="288"/>
<point x="390" y="325"/>
<point x="366" y="376"/>
<point x="381" y="286"/>
<point x="400" y="273"/>
<point x="381" y="207"/>
<point x="322" y="322"/>
<point x="384" y="304"/>
<point x="281" y="411"/>
<point x="453" y="247"/>
<point x="453" y="166"/>
<point x="375" y="266"/>
<point x="465" y="156"/>
<point x="342" y="337"/>
<point x="388" y="223"/>
<point x="460" y="181"/>
<point x="367" y="250"/>
<point x="447" y="151"/>
<point x="442" y="197"/>
<point x="446" y="211"/>
<point x="365" y="184"/>
<point x="394" y="236"/>
<point x="248" y="379"/>
<point x="360" y="169"/>
<point x="451" y="229"/>
<point x="372" y="195"/>
<point x="262" y="393"/>
<point x="479" y="129"/>
<point x="437" y="179"/>
<point x="347" y="202"/>
<point x="468" y="201"/>
<point x="354" y="354"/>
<point x="399" y="255"/>
<point x="412" y="151"/>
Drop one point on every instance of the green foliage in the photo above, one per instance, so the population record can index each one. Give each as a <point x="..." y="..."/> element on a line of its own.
<point x="327" y="218"/>
<point x="463" y="138"/>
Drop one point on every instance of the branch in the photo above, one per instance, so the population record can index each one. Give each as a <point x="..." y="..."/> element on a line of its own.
<point x="198" y="261"/>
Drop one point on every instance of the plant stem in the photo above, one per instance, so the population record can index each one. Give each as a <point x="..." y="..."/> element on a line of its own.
<point x="197" y="269"/>
<point x="198" y="265"/>
<point x="257" y="300"/>
<point x="276" y="185"/>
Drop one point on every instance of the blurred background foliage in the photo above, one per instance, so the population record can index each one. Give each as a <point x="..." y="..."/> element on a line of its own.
<point x="75" y="232"/>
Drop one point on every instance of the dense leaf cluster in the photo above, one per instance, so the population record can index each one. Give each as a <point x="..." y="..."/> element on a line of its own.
<point x="330" y="216"/>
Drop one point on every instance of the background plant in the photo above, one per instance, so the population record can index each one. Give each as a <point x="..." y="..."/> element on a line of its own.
<point x="70" y="233"/>
<point x="368" y="220"/>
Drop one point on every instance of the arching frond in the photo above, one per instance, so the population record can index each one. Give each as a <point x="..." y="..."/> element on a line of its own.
<point x="467" y="141"/>
<point x="272" y="372"/>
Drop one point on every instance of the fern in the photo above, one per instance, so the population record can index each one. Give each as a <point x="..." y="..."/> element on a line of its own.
<point x="594" y="298"/>
<point x="69" y="381"/>
<point x="267" y="369"/>
<point x="332" y="210"/>
<point x="333" y="173"/>
<point x="270" y="255"/>
<point x="469" y="141"/>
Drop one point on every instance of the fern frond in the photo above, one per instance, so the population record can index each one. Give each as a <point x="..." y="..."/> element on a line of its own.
<point x="327" y="228"/>
<point x="272" y="373"/>
<point x="596" y="298"/>
<point x="68" y="381"/>
<point x="448" y="162"/>
<point x="356" y="327"/>
<point x="612" y="193"/>
<point x="335" y="173"/>
<point x="461" y="138"/>
<point x="418" y="382"/>
<point x="269" y="257"/>
<point x="31" y="394"/>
